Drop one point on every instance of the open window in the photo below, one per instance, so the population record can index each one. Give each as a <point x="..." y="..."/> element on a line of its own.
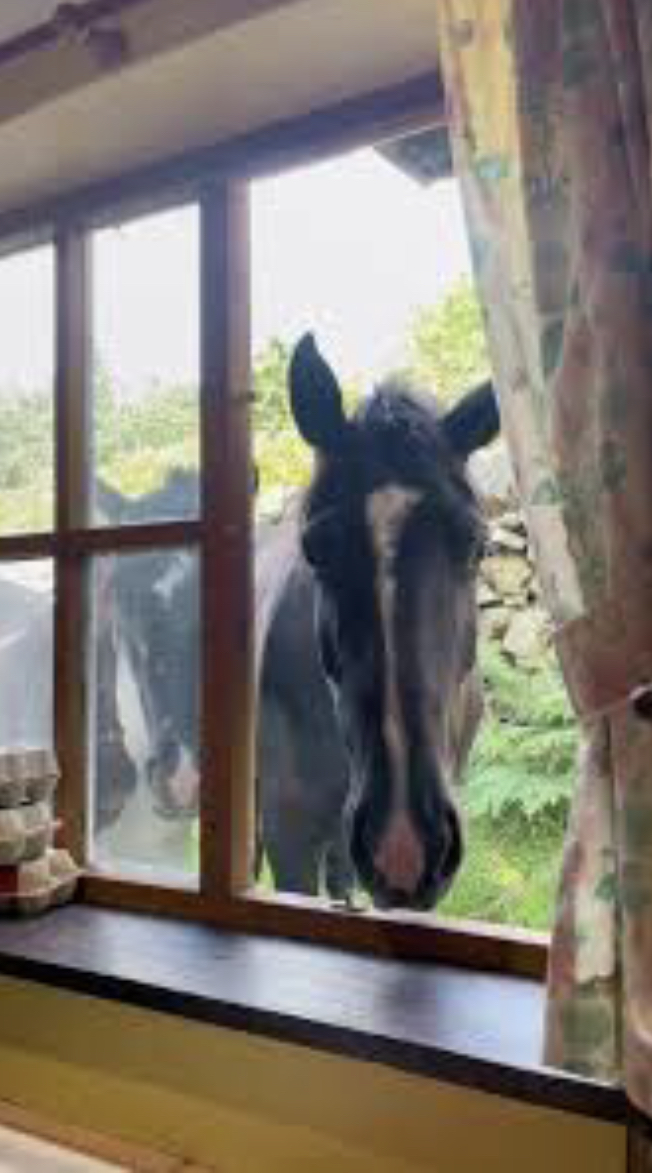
<point x="370" y="252"/>
<point x="151" y="402"/>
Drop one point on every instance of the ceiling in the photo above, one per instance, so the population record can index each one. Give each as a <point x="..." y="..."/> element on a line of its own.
<point x="292" y="58"/>
<point x="18" y="16"/>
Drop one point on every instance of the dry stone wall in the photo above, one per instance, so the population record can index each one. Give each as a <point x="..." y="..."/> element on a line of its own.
<point x="511" y="612"/>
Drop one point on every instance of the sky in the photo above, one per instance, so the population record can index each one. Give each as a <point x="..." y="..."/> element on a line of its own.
<point x="349" y="248"/>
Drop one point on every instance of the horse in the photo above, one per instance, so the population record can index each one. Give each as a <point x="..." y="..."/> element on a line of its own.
<point x="300" y="763"/>
<point x="393" y="534"/>
<point x="368" y="693"/>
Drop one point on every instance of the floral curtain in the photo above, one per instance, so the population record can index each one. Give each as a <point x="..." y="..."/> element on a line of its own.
<point x="551" y="110"/>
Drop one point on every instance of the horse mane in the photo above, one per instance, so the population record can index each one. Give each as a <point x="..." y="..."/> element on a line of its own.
<point x="400" y="411"/>
<point x="396" y="436"/>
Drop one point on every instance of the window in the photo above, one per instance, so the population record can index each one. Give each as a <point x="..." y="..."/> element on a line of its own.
<point x="136" y="511"/>
<point x="377" y="264"/>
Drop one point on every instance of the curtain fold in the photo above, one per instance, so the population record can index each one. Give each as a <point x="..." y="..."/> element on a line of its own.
<point x="550" y="106"/>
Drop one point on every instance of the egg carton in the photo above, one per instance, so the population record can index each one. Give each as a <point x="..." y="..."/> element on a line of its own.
<point x="26" y="832"/>
<point x="36" y="885"/>
<point x="27" y="776"/>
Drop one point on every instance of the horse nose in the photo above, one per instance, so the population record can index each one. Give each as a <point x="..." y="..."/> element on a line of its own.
<point x="413" y="865"/>
<point x="399" y="859"/>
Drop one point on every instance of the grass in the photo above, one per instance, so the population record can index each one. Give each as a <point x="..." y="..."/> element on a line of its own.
<point x="510" y="873"/>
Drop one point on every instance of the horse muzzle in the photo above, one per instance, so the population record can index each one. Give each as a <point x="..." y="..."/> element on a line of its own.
<point x="407" y="862"/>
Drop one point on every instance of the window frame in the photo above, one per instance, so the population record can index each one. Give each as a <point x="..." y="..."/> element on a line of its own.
<point x="216" y="178"/>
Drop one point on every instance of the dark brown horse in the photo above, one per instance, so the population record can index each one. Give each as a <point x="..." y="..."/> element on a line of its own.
<point x="393" y="535"/>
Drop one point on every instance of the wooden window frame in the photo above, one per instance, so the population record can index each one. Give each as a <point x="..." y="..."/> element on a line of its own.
<point x="216" y="178"/>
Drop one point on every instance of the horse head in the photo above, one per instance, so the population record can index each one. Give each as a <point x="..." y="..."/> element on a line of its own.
<point x="393" y="533"/>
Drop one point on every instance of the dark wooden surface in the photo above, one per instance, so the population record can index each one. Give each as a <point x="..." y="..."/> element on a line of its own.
<point x="478" y="1030"/>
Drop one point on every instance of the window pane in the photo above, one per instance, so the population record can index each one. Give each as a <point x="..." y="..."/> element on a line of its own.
<point x="26" y="659"/>
<point x="377" y="266"/>
<point x="145" y="733"/>
<point x="27" y="391"/>
<point x="146" y="367"/>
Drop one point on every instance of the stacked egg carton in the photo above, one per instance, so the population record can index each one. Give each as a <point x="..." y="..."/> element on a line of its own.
<point x="34" y="874"/>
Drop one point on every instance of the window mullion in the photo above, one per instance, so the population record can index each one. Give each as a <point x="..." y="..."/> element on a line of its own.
<point x="72" y="407"/>
<point x="227" y="800"/>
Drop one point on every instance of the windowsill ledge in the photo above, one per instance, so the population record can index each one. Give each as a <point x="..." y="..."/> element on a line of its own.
<point x="473" y="1029"/>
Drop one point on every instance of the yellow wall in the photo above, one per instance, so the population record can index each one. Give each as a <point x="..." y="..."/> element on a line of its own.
<point x="241" y="1104"/>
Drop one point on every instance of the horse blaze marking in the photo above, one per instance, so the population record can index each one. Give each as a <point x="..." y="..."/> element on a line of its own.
<point x="387" y="512"/>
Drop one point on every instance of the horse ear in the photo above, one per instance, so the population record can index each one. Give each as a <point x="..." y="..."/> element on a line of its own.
<point x="316" y="398"/>
<point x="109" y="502"/>
<point x="473" y="422"/>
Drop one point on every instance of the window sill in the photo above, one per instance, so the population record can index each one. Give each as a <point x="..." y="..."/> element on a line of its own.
<point x="473" y="1029"/>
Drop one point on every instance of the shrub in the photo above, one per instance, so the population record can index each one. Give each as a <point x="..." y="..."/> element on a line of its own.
<point x="523" y="761"/>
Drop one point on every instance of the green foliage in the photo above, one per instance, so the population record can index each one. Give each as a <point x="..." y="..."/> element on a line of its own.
<point x="523" y="762"/>
<point x="26" y="463"/>
<point x="516" y="795"/>
<point x="448" y="344"/>
<point x="139" y="441"/>
<point x="510" y="873"/>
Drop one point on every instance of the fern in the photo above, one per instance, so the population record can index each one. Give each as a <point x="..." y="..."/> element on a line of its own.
<point x="524" y="760"/>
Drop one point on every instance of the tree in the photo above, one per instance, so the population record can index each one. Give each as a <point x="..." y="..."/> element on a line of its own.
<point x="449" y="345"/>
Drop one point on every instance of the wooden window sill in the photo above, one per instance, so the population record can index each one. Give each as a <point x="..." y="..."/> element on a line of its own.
<point x="474" y="1029"/>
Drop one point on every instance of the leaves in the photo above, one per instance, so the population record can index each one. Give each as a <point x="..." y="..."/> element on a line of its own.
<point x="449" y="346"/>
<point x="524" y="760"/>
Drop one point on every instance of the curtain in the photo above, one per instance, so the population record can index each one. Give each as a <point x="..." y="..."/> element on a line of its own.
<point x="550" y="106"/>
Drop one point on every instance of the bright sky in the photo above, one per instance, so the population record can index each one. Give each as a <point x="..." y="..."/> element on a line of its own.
<point x="349" y="249"/>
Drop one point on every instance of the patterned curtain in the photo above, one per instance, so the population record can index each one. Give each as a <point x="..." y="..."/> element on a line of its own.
<point x="551" y="108"/>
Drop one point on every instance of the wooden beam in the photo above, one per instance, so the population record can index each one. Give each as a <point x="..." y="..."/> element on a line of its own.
<point x="226" y="810"/>
<point x="73" y="283"/>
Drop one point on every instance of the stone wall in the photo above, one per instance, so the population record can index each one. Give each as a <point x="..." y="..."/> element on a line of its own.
<point x="510" y="606"/>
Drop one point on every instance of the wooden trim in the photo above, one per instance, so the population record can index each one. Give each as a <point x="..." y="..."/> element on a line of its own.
<point x="470" y="946"/>
<point x="73" y="319"/>
<point x="28" y="546"/>
<point x="113" y="892"/>
<point x="376" y="116"/>
<point x="226" y="489"/>
<point x="110" y="539"/>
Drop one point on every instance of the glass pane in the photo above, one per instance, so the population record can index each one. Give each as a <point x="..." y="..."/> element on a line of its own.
<point x="145" y="728"/>
<point x="27" y="391"/>
<point x="377" y="266"/>
<point x="26" y="659"/>
<point x="146" y="368"/>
